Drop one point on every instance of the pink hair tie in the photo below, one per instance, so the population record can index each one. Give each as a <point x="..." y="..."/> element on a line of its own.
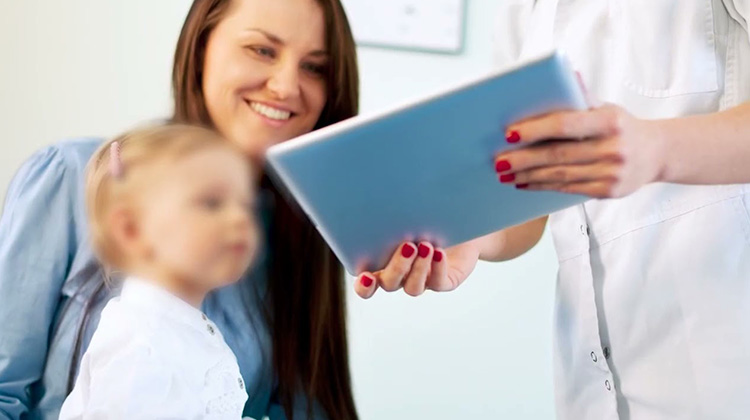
<point x="115" y="162"/>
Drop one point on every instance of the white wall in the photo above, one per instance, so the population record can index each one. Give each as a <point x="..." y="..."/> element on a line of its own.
<point x="93" y="67"/>
<point x="81" y="67"/>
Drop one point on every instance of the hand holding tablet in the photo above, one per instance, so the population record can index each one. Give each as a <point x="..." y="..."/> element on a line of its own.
<point x="424" y="173"/>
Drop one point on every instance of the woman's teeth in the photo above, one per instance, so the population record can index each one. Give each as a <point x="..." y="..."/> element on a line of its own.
<point x="268" y="112"/>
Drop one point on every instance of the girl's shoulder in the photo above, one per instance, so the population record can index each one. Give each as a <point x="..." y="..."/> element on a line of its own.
<point x="122" y="331"/>
<point x="123" y="321"/>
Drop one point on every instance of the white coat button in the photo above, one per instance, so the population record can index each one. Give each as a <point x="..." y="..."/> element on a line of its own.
<point x="607" y="385"/>
<point x="210" y="329"/>
<point x="606" y="352"/>
<point x="593" y="357"/>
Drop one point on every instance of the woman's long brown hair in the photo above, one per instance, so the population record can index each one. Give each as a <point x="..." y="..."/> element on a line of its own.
<point x="306" y="295"/>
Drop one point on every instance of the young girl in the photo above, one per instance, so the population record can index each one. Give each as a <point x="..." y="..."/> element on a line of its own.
<point x="169" y="207"/>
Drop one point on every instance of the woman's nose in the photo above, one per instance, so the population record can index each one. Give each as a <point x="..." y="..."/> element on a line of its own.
<point x="284" y="82"/>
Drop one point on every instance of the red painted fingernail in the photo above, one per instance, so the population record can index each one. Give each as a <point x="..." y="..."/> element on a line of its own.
<point x="366" y="280"/>
<point x="522" y="186"/>
<point x="502" y="166"/>
<point x="437" y="256"/>
<point x="507" y="178"/>
<point x="424" y="251"/>
<point x="407" y="250"/>
<point x="513" y="137"/>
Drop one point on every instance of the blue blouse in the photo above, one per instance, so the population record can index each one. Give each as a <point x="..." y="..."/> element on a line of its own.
<point x="49" y="275"/>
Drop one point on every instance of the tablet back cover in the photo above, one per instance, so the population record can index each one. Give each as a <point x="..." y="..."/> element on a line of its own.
<point x="424" y="170"/>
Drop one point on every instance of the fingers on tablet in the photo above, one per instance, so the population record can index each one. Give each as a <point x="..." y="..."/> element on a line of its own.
<point x="413" y="267"/>
<point x="392" y="277"/>
<point x="439" y="274"/>
<point x="366" y="285"/>
<point x="420" y="270"/>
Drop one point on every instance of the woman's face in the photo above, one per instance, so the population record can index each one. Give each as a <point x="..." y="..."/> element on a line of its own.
<point x="264" y="78"/>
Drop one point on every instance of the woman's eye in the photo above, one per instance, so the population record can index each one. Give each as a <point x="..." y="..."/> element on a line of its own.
<point x="263" y="51"/>
<point x="315" y="69"/>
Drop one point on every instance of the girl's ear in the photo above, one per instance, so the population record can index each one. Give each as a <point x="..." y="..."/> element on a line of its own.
<point x="126" y="234"/>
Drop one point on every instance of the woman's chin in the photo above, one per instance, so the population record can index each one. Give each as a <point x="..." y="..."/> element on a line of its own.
<point x="260" y="139"/>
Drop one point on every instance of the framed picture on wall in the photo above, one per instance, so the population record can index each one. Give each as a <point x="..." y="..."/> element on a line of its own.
<point x="425" y="25"/>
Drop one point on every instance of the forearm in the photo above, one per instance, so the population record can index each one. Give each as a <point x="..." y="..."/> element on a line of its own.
<point x="512" y="242"/>
<point x="706" y="149"/>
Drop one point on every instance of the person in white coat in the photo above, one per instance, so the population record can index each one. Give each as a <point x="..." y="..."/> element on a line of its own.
<point x="652" y="312"/>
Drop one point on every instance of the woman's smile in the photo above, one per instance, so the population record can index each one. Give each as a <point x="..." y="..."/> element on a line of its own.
<point x="273" y="115"/>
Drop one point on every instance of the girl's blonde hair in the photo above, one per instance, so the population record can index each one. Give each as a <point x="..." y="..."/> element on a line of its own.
<point x="137" y="148"/>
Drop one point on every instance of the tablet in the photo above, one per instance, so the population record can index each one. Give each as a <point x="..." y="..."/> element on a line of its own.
<point x="424" y="171"/>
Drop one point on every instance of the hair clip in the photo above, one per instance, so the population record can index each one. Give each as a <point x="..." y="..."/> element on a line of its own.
<point x="115" y="162"/>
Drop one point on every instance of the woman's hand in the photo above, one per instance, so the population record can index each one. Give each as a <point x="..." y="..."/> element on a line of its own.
<point x="420" y="267"/>
<point x="602" y="153"/>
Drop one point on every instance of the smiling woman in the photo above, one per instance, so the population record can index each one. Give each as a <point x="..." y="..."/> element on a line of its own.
<point x="258" y="61"/>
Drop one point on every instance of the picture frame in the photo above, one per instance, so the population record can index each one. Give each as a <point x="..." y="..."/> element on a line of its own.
<point x="433" y="26"/>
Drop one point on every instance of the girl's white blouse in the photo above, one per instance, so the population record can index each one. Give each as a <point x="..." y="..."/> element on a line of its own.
<point x="153" y="356"/>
